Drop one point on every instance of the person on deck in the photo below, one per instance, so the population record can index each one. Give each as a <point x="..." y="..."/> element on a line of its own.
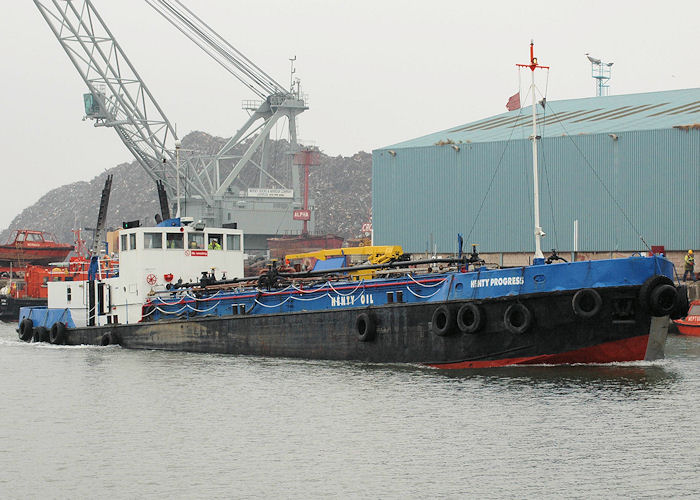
<point x="214" y="245"/>
<point x="689" y="266"/>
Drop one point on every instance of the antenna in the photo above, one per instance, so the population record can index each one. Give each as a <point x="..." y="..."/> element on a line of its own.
<point x="291" y="73"/>
<point x="601" y="73"/>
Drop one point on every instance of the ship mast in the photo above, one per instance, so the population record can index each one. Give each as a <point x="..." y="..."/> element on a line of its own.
<point x="539" y="233"/>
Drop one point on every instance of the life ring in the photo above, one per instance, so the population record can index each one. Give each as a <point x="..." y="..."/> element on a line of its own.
<point x="58" y="333"/>
<point x="26" y="330"/>
<point x="658" y="296"/>
<point x="443" y="321"/>
<point x="109" y="338"/>
<point x="366" y="327"/>
<point x="41" y="334"/>
<point x="586" y="303"/>
<point x="470" y="318"/>
<point x="517" y="318"/>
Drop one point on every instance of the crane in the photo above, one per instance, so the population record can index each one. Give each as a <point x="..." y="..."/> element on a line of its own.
<point x="275" y="101"/>
<point x="119" y="98"/>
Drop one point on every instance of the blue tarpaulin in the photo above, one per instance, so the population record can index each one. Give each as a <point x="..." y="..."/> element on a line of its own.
<point x="42" y="316"/>
<point x="332" y="263"/>
<point x="174" y="222"/>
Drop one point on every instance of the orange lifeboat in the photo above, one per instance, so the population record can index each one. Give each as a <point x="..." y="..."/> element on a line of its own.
<point x="690" y="325"/>
<point x="26" y="246"/>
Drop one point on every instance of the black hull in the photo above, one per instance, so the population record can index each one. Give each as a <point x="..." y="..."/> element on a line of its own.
<point x="404" y="332"/>
<point x="9" y="306"/>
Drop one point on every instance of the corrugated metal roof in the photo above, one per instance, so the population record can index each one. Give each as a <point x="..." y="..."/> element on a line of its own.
<point x="593" y="115"/>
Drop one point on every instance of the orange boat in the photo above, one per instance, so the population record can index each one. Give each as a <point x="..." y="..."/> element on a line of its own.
<point x="690" y="325"/>
<point x="33" y="289"/>
<point x="27" y="246"/>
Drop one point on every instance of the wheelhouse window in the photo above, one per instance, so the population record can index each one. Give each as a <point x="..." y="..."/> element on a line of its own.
<point x="233" y="242"/>
<point x="215" y="241"/>
<point x="132" y="241"/>
<point x="152" y="240"/>
<point x="174" y="240"/>
<point x="122" y="245"/>
<point x="195" y="240"/>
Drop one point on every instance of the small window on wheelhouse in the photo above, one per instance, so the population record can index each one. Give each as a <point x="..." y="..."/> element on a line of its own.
<point x="195" y="241"/>
<point x="152" y="240"/>
<point x="215" y="241"/>
<point x="122" y="245"/>
<point x="132" y="241"/>
<point x="174" y="240"/>
<point x="233" y="242"/>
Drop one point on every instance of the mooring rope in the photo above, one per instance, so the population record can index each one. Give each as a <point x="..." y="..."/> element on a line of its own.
<point x="423" y="284"/>
<point x="422" y="296"/>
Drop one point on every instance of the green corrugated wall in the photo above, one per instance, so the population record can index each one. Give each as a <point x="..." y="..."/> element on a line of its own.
<point x="653" y="175"/>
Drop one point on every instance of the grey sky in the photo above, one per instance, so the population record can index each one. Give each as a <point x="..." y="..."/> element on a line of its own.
<point x="377" y="72"/>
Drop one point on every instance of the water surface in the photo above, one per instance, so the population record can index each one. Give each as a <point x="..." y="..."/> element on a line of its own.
<point x="80" y="422"/>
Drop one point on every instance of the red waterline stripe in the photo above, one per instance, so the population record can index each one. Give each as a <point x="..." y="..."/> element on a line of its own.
<point x="631" y="349"/>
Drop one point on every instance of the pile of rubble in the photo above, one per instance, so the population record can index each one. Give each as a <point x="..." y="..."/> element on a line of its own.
<point x="340" y="189"/>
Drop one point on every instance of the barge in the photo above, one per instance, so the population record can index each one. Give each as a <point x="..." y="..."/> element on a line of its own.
<point x="181" y="287"/>
<point x="176" y="291"/>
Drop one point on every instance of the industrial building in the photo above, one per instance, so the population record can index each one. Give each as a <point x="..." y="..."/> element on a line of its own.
<point x="611" y="169"/>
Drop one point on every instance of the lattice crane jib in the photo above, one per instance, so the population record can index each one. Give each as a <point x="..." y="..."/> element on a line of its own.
<point x="276" y="101"/>
<point x="118" y="96"/>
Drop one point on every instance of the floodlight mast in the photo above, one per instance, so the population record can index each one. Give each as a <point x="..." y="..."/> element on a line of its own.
<point x="118" y="96"/>
<point x="601" y="72"/>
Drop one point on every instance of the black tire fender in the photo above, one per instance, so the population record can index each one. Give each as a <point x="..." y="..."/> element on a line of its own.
<point x="517" y="318"/>
<point x="366" y="327"/>
<point x="647" y="287"/>
<point x="57" y="335"/>
<point x="26" y="330"/>
<point x="682" y="305"/>
<point x="470" y="318"/>
<point x="663" y="300"/>
<point x="110" y="338"/>
<point x="443" y="321"/>
<point x="586" y="303"/>
<point x="41" y="334"/>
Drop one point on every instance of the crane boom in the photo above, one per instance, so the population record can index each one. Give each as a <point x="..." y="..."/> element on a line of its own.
<point x="214" y="188"/>
<point x="118" y="96"/>
<point x="277" y="101"/>
<point x="189" y="24"/>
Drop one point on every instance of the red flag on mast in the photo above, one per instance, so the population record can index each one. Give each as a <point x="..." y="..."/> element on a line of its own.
<point x="514" y="102"/>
